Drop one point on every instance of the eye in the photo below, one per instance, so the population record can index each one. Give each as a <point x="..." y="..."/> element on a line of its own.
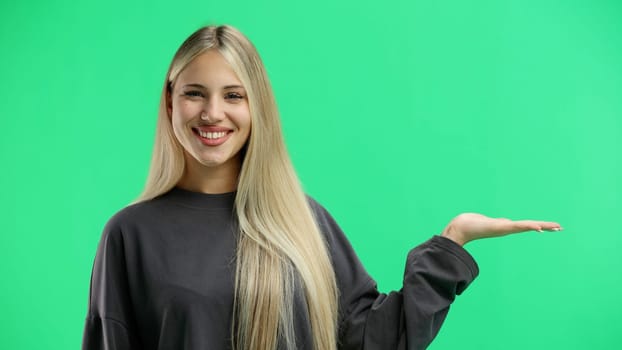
<point x="233" y="96"/>
<point x="193" y="93"/>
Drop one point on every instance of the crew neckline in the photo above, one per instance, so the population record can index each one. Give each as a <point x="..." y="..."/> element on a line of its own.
<point x="200" y="199"/>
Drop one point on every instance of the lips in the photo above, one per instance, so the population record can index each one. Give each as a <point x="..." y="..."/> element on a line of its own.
<point x="212" y="135"/>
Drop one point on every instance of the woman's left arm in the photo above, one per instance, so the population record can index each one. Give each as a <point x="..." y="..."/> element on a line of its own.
<point x="436" y="271"/>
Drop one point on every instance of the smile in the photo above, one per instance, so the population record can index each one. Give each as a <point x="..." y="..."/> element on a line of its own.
<point x="211" y="135"/>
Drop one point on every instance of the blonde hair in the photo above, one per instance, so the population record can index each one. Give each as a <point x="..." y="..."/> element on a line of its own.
<point x="280" y="246"/>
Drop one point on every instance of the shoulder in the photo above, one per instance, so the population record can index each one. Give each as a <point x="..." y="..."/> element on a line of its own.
<point x="322" y="215"/>
<point x="323" y="218"/>
<point x="133" y="219"/>
<point x="351" y="276"/>
<point x="336" y="239"/>
<point x="131" y="215"/>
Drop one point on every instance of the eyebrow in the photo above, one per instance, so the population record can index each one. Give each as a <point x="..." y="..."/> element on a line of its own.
<point x="204" y="88"/>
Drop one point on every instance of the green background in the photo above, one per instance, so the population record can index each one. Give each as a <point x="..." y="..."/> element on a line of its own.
<point x="398" y="116"/>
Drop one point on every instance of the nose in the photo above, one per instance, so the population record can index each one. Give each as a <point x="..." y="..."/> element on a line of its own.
<point x="212" y="111"/>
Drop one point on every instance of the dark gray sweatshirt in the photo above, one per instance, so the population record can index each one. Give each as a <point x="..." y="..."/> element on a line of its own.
<point x="163" y="279"/>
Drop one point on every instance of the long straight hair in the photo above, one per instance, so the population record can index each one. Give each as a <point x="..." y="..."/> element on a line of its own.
<point x="280" y="247"/>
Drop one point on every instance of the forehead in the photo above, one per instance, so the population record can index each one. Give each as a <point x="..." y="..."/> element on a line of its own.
<point x="209" y="68"/>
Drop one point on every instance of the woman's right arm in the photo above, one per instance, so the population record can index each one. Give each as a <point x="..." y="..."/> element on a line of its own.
<point x="109" y="322"/>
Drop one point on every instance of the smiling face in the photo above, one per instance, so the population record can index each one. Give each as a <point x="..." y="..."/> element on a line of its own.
<point x="210" y="114"/>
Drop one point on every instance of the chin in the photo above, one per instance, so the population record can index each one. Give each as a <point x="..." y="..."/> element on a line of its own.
<point x="210" y="163"/>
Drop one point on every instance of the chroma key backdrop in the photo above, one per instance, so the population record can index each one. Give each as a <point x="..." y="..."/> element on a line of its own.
<point x="398" y="115"/>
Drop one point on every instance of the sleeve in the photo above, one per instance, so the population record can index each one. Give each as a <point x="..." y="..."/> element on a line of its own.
<point x="109" y="324"/>
<point x="436" y="271"/>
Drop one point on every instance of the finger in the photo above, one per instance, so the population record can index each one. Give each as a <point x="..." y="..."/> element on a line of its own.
<point x="539" y="226"/>
<point x="505" y="226"/>
<point x="550" y="226"/>
<point x="529" y="225"/>
<point x="554" y="226"/>
<point x="526" y="225"/>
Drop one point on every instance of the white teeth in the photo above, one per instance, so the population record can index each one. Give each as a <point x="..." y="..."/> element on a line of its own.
<point x="212" y="135"/>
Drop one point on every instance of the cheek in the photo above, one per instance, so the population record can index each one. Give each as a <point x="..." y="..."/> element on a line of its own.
<point x="177" y="120"/>
<point x="242" y="119"/>
<point x="181" y="114"/>
<point x="177" y="125"/>
<point x="186" y="110"/>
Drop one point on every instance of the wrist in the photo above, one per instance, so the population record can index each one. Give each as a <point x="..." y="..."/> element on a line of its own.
<point x="450" y="233"/>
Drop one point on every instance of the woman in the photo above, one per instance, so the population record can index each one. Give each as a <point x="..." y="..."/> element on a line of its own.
<point x="223" y="250"/>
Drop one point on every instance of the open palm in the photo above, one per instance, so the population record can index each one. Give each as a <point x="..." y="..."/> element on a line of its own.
<point x="471" y="226"/>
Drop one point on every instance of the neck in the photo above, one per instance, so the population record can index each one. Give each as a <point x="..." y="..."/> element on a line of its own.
<point x="214" y="180"/>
